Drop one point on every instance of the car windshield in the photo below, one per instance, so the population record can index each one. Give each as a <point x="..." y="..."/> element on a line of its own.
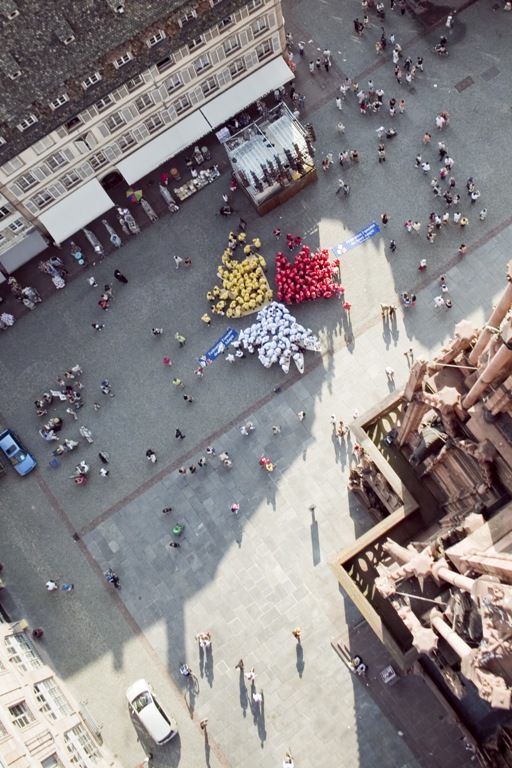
<point x="141" y="701"/>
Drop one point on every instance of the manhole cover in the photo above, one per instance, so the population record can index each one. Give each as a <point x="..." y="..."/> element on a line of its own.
<point x="463" y="84"/>
<point x="490" y="73"/>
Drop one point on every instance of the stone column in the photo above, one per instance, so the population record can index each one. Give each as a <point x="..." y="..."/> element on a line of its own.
<point x="441" y="572"/>
<point x="411" y="420"/>
<point x="437" y="622"/>
<point x="495" y="320"/>
<point x="501" y="361"/>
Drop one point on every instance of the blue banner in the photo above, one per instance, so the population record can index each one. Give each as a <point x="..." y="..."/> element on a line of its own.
<point x="218" y="348"/>
<point x="357" y="239"/>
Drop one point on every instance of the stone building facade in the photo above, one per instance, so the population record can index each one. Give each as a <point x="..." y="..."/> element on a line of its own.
<point x="40" y="725"/>
<point x="107" y="86"/>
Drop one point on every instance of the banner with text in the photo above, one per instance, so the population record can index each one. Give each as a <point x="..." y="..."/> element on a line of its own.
<point x="218" y="348"/>
<point x="358" y="239"/>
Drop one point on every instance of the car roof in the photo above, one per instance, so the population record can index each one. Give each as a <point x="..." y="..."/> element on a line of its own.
<point x="136" y="688"/>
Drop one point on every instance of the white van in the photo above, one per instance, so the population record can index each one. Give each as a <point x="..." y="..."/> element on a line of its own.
<point x="144" y="705"/>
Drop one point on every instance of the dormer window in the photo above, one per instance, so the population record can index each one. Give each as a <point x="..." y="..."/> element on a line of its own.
<point x="90" y="81"/>
<point x="190" y="16"/>
<point x="27" y="122"/>
<point x="59" y="101"/>
<point x="156" y="38"/>
<point x="122" y="60"/>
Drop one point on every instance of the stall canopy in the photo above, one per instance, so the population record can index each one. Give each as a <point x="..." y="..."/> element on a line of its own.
<point x="76" y="210"/>
<point x="23" y="251"/>
<point x="273" y="75"/>
<point x="165" y="146"/>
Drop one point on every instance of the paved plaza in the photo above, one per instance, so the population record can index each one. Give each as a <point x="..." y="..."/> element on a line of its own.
<point x="251" y="578"/>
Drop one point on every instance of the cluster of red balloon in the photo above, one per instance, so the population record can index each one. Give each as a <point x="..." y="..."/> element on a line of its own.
<point x="311" y="276"/>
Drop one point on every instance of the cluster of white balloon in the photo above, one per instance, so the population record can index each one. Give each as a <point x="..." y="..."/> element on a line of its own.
<point x="279" y="338"/>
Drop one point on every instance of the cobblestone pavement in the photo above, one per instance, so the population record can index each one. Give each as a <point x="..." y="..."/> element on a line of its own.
<point x="250" y="578"/>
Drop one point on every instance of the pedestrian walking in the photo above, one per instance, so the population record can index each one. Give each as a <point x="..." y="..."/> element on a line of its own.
<point x="417" y="226"/>
<point x="425" y="167"/>
<point x="201" y="462"/>
<point x="182" y="471"/>
<point x="235" y="508"/>
<point x="384" y="218"/>
<point x="67" y="587"/>
<point x="312" y="67"/>
<point x="401" y="106"/>
<point x="98" y="326"/>
<point x="179" y="435"/>
<point x="92" y="282"/>
<point x="464" y="222"/>
<point x="296" y="633"/>
<point x="119" y="276"/>
<point x="151" y="456"/>
<point x="51" y="585"/>
<point x="210" y="450"/>
<point x="177" y="260"/>
<point x="199" y="372"/>
<point x="457" y="217"/>
<point x="188" y="399"/>
<point x="179" y="338"/>
<point x="390" y="373"/>
<point x="104" y="472"/>
<point x="206" y="319"/>
<point x="426" y="138"/>
<point x="462" y="249"/>
<point x="276" y="430"/>
<point x="157" y="331"/>
<point x="381" y="153"/>
<point x="423" y="265"/>
<point x="338" y="103"/>
<point x="251" y="675"/>
<point x="438" y="302"/>
<point x="174" y="544"/>
<point x="301" y="415"/>
<point x="392" y="246"/>
<point x="483" y="213"/>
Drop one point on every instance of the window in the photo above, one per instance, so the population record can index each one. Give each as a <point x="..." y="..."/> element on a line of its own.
<point x="98" y="160"/>
<point x="135" y="83"/>
<point x="4" y="211"/>
<point x="51" y="762"/>
<point x="42" y="199"/>
<point x="126" y="141"/>
<point x="144" y="102"/>
<point x="91" y="80"/>
<point x="209" y="85"/>
<point x="215" y="2"/>
<point x="156" y="38"/>
<point x="173" y="82"/>
<point x="71" y="179"/>
<point x="59" y="101"/>
<point x="114" y="122"/>
<point x="203" y="62"/>
<point x="26" y="123"/>
<point x="187" y="17"/>
<point x="103" y="103"/>
<point x="3" y="729"/>
<point x="21" y="651"/>
<point x="122" y="60"/>
<point x="265" y="49"/>
<point x="153" y="123"/>
<point x="231" y="44"/>
<point x="225" y="23"/>
<point x="195" y="43"/>
<point x="25" y="182"/>
<point x="74" y="123"/>
<point x="181" y="105"/>
<point x="18" y="225"/>
<point x="56" y="161"/>
<point x="43" y="145"/>
<point x="81" y="747"/>
<point x="85" y="143"/>
<point x="259" y="26"/>
<point x="21" y="715"/>
<point x="2" y="238"/>
<point x="11" y="166"/>
<point x="253" y="5"/>
<point x="164" y="64"/>
<point x="52" y="700"/>
<point x="236" y="68"/>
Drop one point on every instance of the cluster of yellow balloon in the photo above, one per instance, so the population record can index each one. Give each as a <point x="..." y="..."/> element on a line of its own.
<point x="245" y="288"/>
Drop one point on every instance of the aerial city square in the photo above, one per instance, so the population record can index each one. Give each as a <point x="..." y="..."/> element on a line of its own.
<point x="255" y="276"/>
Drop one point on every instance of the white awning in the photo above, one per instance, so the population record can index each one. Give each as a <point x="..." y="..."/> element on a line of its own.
<point x="273" y="75"/>
<point x="22" y="251"/>
<point x="76" y="210"/>
<point x="165" y="146"/>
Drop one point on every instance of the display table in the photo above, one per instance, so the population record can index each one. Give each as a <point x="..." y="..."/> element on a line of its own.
<point x="195" y="185"/>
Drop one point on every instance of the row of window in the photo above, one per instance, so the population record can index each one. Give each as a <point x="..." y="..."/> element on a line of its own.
<point x="258" y="26"/>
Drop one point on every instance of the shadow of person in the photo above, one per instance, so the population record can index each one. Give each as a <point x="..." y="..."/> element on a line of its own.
<point x="260" y="721"/>
<point x="201" y="661"/>
<point x="391" y="385"/>
<point x="336" y="445"/>
<point x="315" y="539"/>
<point x="208" y="666"/>
<point x="206" y="748"/>
<point x="386" y="332"/>
<point x="300" y="659"/>
<point x="243" y="693"/>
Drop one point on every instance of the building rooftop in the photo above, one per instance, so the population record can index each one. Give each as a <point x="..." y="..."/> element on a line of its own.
<point x="48" y="48"/>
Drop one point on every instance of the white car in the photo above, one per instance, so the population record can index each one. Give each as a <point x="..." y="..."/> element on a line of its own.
<point x="144" y="705"/>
